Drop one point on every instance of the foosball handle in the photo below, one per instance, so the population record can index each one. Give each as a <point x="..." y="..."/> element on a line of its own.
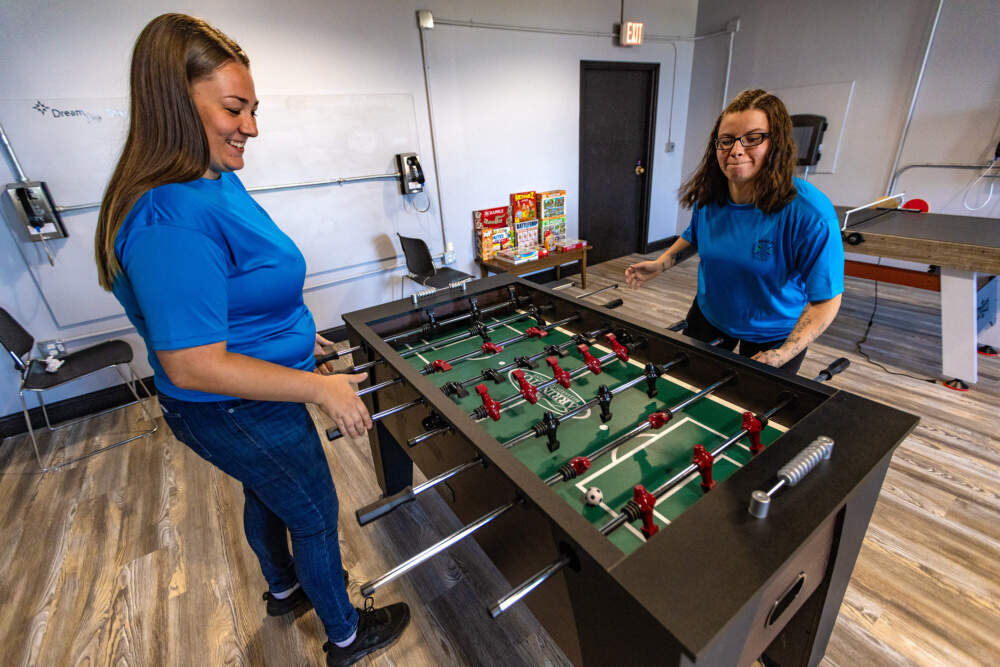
<point x="383" y="506"/>
<point x="839" y="365"/>
<point x="614" y="303"/>
<point x="792" y="473"/>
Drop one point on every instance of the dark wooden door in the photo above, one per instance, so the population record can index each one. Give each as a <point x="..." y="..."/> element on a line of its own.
<point x="617" y="123"/>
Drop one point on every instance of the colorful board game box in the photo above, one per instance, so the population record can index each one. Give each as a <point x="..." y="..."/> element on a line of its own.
<point x="570" y="244"/>
<point x="551" y="204"/>
<point x="491" y="231"/>
<point x="518" y="255"/>
<point x="526" y="234"/>
<point x="522" y="206"/>
<point x="551" y="231"/>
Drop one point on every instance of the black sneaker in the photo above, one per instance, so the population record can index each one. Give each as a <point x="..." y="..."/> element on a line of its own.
<point x="296" y="600"/>
<point x="377" y="628"/>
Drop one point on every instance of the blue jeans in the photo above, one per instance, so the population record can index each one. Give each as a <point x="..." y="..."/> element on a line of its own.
<point x="273" y="449"/>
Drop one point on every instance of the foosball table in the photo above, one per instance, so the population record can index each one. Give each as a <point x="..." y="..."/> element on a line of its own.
<point x="649" y="497"/>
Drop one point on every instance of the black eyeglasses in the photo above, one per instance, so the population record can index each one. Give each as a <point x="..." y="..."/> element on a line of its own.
<point x="748" y="140"/>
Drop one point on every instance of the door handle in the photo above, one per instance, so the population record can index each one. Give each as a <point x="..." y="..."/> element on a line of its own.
<point x="639" y="169"/>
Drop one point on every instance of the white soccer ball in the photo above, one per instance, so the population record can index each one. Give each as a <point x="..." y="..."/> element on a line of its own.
<point x="594" y="496"/>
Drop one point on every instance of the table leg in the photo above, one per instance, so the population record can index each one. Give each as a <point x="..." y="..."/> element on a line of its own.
<point x="483" y="272"/>
<point x="958" y="324"/>
<point x="583" y="270"/>
<point x="393" y="468"/>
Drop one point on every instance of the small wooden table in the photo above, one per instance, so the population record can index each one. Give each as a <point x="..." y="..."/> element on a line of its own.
<point x="556" y="259"/>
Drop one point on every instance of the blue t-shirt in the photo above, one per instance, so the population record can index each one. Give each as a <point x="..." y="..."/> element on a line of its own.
<point x="203" y="263"/>
<point x="758" y="271"/>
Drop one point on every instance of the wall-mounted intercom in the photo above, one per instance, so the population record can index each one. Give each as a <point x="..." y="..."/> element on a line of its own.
<point x="808" y="131"/>
<point x="410" y="173"/>
<point x="36" y="211"/>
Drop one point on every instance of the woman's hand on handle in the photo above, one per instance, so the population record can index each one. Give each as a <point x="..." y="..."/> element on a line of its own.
<point x="319" y="350"/>
<point x="340" y="400"/>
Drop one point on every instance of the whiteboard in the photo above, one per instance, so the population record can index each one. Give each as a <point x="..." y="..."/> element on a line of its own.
<point x="73" y="145"/>
<point x="832" y="100"/>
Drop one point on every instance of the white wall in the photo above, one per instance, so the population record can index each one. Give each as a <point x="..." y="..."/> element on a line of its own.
<point x="784" y="43"/>
<point x="66" y="50"/>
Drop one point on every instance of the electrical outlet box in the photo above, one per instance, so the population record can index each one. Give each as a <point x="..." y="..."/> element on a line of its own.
<point x="671" y="147"/>
<point x="36" y="211"/>
<point x="49" y="347"/>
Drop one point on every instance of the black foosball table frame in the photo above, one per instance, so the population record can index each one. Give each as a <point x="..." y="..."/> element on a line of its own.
<point x="717" y="586"/>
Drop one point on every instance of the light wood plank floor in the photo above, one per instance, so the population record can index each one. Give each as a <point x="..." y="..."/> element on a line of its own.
<point x="136" y="557"/>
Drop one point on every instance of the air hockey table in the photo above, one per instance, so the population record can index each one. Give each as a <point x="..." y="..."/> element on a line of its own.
<point x="965" y="247"/>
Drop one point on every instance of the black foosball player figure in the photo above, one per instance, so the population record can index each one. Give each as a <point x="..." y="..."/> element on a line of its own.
<point x="771" y="273"/>
<point x="214" y="288"/>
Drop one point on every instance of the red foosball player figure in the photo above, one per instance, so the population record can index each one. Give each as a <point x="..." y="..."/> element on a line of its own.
<point x="704" y="460"/>
<point x="641" y="507"/>
<point x="754" y="426"/>
<point x="491" y="405"/>
<point x="528" y="390"/>
<point x="561" y="375"/>
<point x="589" y="360"/>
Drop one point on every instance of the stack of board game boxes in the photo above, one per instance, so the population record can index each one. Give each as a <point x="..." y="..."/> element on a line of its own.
<point x="532" y="226"/>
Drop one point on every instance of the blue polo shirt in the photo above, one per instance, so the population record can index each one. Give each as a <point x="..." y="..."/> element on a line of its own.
<point x="203" y="263"/>
<point x="758" y="271"/>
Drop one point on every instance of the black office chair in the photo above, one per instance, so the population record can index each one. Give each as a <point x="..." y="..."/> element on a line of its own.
<point x="34" y="378"/>
<point x="421" y="267"/>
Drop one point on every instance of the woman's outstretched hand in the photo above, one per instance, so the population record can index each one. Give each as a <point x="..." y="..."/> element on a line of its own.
<point x="637" y="274"/>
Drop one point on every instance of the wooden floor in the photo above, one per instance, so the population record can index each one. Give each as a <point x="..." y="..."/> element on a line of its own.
<point x="136" y="556"/>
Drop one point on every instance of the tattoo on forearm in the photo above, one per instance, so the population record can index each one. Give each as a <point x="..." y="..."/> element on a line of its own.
<point x="807" y="329"/>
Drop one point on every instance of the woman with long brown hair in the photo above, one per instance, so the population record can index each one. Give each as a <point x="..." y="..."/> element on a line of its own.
<point x="214" y="288"/>
<point x="772" y="264"/>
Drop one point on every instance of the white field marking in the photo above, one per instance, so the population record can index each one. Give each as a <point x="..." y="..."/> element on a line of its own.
<point x="455" y="342"/>
<point x="584" y="482"/>
<point x="720" y="401"/>
<point x="687" y="480"/>
<point x="635" y="531"/>
<point x="650" y="438"/>
<point x="603" y="427"/>
<point x="685" y="385"/>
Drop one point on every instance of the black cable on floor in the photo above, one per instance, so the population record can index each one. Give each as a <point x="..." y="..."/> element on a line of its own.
<point x="864" y="338"/>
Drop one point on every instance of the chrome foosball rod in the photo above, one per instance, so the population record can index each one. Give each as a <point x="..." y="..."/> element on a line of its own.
<point x="369" y="587"/>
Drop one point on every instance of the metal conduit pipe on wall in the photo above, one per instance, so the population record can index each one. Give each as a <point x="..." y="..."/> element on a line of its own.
<point x="913" y="99"/>
<point x="941" y="165"/>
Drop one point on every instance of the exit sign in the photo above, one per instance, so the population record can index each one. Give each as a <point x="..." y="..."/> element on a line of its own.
<point x="631" y="33"/>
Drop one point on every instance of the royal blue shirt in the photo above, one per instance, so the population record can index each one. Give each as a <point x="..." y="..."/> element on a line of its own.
<point x="203" y="263"/>
<point x="758" y="271"/>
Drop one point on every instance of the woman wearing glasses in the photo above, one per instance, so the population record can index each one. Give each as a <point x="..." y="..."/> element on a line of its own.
<point x="772" y="263"/>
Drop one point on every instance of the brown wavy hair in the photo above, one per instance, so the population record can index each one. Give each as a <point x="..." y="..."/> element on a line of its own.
<point x="773" y="187"/>
<point x="166" y="140"/>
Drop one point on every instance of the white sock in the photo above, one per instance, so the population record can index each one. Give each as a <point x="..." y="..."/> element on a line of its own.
<point x="349" y="640"/>
<point x="284" y="594"/>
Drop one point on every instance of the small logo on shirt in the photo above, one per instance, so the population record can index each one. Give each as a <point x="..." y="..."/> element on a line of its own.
<point x="762" y="249"/>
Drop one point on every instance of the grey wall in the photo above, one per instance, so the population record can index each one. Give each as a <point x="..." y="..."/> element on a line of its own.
<point x="80" y="51"/>
<point x="879" y="45"/>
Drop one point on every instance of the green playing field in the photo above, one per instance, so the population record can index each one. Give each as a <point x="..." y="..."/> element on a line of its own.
<point x="648" y="459"/>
